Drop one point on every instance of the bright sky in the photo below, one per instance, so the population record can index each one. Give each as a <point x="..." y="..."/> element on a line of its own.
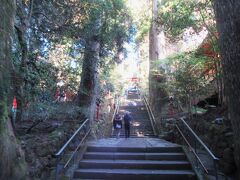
<point x="131" y="60"/>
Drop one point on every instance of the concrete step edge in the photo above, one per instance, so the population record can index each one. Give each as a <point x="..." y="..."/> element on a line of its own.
<point x="163" y="162"/>
<point x="135" y="171"/>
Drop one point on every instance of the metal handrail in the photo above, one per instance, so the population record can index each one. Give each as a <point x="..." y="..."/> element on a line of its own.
<point x="197" y="139"/>
<point x="115" y="111"/>
<point x="114" y="114"/>
<point x="192" y="149"/>
<point x="66" y="164"/>
<point x="67" y="143"/>
<point x="61" y="167"/>
<point x="152" y="118"/>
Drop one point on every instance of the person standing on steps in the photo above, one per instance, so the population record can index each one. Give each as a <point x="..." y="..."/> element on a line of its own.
<point x="127" y="122"/>
<point x="62" y="96"/>
<point x="117" y="124"/>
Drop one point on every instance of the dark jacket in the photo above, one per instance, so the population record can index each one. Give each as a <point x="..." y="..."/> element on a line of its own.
<point x="127" y="119"/>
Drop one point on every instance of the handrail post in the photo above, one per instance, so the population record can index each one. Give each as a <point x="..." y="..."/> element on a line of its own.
<point x="215" y="168"/>
<point x="59" y="168"/>
<point x="85" y="128"/>
<point x="195" y="144"/>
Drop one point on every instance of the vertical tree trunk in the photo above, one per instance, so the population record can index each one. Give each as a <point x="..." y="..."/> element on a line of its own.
<point x="88" y="86"/>
<point x="153" y="39"/>
<point x="156" y="52"/>
<point x="218" y="81"/>
<point x="12" y="163"/>
<point x="19" y="83"/>
<point x="228" y="24"/>
<point x="21" y="31"/>
<point x="153" y="51"/>
<point x="153" y="44"/>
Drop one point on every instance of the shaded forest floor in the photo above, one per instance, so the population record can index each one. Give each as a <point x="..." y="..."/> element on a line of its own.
<point x="43" y="131"/>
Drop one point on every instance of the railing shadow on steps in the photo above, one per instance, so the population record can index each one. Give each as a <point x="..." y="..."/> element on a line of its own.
<point x="198" y="148"/>
<point x="154" y="124"/>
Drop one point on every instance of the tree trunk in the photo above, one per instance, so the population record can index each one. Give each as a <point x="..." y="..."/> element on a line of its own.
<point x="228" y="24"/>
<point x="156" y="52"/>
<point x="88" y="86"/>
<point x="12" y="163"/>
<point x="18" y="79"/>
<point x="153" y="39"/>
<point x="19" y="84"/>
<point x="153" y="52"/>
<point x="153" y="47"/>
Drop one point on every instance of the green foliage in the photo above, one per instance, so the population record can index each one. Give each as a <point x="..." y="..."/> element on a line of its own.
<point x="141" y="15"/>
<point x="49" y="110"/>
<point x="116" y="26"/>
<point x="67" y="56"/>
<point x="176" y="15"/>
<point x="185" y="73"/>
<point x="58" y="32"/>
<point x="41" y="77"/>
<point x="106" y="82"/>
<point x="145" y="28"/>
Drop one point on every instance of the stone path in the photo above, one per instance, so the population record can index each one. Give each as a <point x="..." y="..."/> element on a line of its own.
<point x="140" y="125"/>
<point x="139" y="157"/>
<point x="134" y="158"/>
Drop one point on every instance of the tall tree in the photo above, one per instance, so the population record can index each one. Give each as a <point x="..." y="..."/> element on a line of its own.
<point x="21" y="26"/>
<point x="11" y="157"/>
<point x="104" y="33"/>
<point x="228" y="25"/>
<point x="87" y="92"/>
<point x="156" y="51"/>
<point x="153" y="36"/>
<point x="153" y="49"/>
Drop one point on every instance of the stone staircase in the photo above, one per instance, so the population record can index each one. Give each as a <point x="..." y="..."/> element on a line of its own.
<point x="133" y="96"/>
<point x="141" y="125"/>
<point x="138" y="158"/>
<point x="134" y="158"/>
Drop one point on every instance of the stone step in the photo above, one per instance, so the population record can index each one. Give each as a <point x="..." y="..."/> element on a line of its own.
<point x="142" y="116"/>
<point x="137" y="129"/>
<point x="122" y="135"/>
<point x="133" y="164"/>
<point x="135" y="105"/>
<point x="135" y="109"/>
<point x="135" y="136"/>
<point x="135" y="156"/>
<point x="130" y="174"/>
<point x="134" y="149"/>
